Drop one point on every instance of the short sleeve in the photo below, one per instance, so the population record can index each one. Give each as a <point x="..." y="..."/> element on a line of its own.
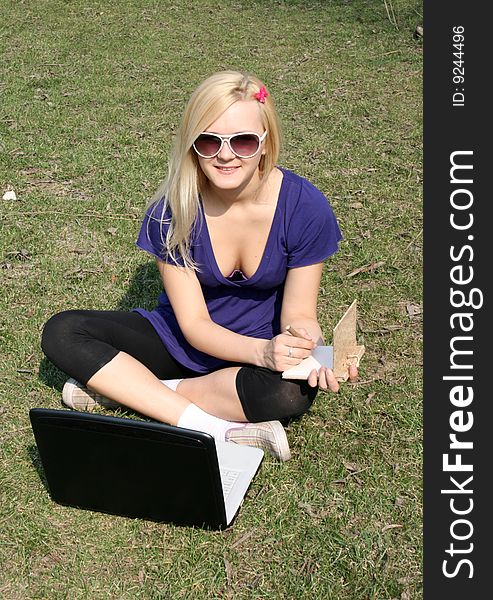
<point x="313" y="231"/>
<point x="153" y="231"/>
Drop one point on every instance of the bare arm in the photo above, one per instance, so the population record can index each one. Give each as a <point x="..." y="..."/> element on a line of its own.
<point x="185" y="294"/>
<point x="299" y="310"/>
<point x="299" y="304"/>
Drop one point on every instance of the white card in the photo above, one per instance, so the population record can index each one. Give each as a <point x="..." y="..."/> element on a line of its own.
<point x="322" y="356"/>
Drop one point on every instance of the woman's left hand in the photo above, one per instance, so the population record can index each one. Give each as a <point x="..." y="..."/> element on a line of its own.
<point x="326" y="380"/>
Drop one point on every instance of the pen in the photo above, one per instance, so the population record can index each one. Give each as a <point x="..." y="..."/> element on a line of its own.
<point x="293" y="331"/>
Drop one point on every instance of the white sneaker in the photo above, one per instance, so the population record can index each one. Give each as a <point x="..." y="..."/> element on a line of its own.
<point x="78" y="397"/>
<point x="268" y="435"/>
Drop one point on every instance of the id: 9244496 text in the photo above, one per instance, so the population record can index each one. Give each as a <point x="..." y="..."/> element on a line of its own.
<point x="458" y="68"/>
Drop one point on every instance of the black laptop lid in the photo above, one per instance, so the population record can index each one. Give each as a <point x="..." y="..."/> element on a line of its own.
<point x="128" y="467"/>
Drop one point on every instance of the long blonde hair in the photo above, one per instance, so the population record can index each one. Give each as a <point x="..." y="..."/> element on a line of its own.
<point x="185" y="180"/>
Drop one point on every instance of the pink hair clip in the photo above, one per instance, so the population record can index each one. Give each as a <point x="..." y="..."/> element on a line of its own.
<point x="261" y="95"/>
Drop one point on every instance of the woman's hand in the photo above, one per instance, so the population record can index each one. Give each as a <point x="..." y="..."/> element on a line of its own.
<point x="285" y="350"/>
<point x="326" y="380"/>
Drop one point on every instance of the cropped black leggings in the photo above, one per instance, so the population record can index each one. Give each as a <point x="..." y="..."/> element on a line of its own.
<point x="80" y="342"/>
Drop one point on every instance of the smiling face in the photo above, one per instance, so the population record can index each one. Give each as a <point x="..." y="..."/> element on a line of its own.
<point x="226" y="171"/>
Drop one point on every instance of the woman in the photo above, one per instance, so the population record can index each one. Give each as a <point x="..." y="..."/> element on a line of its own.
<point x="240" y="245"/>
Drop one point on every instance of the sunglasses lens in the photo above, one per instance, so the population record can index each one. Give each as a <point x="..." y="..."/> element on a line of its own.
<point x="207" y="145"/>
<point x="244" y="144"/>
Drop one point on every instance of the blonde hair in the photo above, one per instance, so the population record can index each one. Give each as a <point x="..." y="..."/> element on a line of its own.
<point x="185" y="180"/>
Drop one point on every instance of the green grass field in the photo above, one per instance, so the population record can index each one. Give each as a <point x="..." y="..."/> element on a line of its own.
<point x="90" y="95"/>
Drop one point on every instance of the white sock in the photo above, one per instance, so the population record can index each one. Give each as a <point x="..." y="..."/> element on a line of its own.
<point x="171" y="383"/>
<point x="194" y="417"/>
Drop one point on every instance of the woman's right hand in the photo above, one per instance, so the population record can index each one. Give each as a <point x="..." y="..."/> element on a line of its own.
<point x="285" y="351"/>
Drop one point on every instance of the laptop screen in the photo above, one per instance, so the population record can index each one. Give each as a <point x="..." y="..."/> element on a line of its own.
<point x="129" y="467"/>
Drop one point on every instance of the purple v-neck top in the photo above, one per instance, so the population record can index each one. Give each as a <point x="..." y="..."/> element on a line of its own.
<point x="304" y="231"/>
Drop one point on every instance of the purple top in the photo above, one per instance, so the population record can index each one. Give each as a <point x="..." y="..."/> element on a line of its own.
<point x="304" y="231"/>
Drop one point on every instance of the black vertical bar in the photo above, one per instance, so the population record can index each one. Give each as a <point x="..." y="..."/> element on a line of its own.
<point x="457" y="349"/>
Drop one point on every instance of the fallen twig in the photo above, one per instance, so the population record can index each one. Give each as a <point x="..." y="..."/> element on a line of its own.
<point x="365" y="268"/>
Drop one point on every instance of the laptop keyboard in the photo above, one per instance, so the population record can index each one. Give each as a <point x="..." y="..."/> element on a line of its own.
<point x="228" y="478"/>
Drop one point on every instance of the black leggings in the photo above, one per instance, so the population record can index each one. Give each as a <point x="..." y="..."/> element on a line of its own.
<point x="80" y="342"/>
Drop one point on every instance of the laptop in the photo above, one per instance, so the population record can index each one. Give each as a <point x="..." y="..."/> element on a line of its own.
<point x="141" y="469"/>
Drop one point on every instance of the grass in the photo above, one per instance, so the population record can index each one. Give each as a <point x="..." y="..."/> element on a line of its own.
<point x="91" y="93"/>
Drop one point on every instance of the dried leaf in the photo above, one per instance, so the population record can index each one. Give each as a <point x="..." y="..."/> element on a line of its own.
<point x="308" y="509"/>
<point x="339" y="481"/>
<point x="352" y="467"/>
<point x="418" y="32"/>
<point x="309" y="567"/>
<point x="242" y="538"/>
<point x="413" y="310"/>
<point x="80" y="273"/>
<point x="229" y="570"/>
<point x="9" y="195"/>
<point x="314" y="513"/>
<point x="21" y="254"/>
<point x="356" y="205"/>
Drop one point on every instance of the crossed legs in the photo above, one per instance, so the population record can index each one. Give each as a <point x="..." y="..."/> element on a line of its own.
<point x="120" y="356"/>
<point x="127" y="381"/>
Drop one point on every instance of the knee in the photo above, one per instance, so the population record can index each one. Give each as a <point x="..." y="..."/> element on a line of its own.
<point x="292" y="398"/>
<point x="56" y="330"/>
<point x="265" y="396"/>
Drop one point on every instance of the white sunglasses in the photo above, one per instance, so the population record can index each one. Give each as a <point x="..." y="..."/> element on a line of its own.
<point x="243" y="145"/>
